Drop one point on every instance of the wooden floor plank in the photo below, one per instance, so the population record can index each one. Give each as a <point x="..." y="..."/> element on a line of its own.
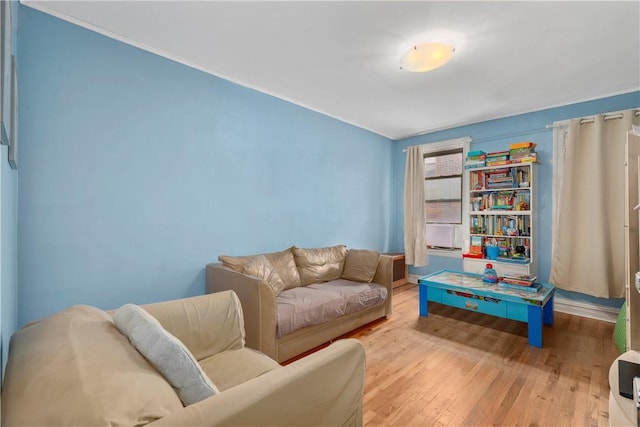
<point x="457" y="367"/>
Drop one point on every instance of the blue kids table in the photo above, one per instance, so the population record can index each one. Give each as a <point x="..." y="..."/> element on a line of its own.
<point x="468" y="291"/>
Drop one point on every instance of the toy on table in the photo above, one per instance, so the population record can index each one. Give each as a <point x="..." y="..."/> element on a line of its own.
<point x="490" y="275"/>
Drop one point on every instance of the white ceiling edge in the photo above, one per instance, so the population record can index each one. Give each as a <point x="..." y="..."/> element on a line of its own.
<point x="174" y="58"/>
<point x="468" y="123"/>
<point x="40" y="6"/>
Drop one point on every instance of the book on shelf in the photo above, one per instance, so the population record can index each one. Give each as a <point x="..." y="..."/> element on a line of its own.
<point x="476" y="240"/>
<point x="475" y="246"/>
<point x="521" y="152"/>
<point x="498" y="171"/>
<point x="530" y="156"/>
<point x="476" y="153"/>
<point x="523" y="144"/>
<point x="498" y="153"/>
<point x="474" y="164"/>
<point x="500" y="184"/>
<point x="528" y="159"/>
<point x="475" y="159"/>
<point x="500" y="179"/>
<point x="497" y="162"/>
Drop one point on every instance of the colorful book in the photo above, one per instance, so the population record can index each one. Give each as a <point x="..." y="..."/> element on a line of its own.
<point x="474" y="162"/>
<point x="476" y="153"/>
<point x="521" y="152"/>
<point x="497" y="162"/>
<point x="523" y="144"/>
<point x="534" y="288"/>
<point x="498" y="153"/>
<point x="517" y="282"/>
<point x="528" y="277"/>
<point x="528" y="159"/>
<point x="472" y="255"/>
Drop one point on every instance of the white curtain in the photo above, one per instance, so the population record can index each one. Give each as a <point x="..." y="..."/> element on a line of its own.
<point x="415" y="243"/>
<point x="588" y="230"/>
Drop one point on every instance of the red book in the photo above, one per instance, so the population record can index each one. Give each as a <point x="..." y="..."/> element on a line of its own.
<point x="472" y="255"/>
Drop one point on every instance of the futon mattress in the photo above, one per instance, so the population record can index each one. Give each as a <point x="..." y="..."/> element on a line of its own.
<point x="318" y="303"/>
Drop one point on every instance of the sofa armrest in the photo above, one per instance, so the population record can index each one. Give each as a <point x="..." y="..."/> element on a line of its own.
<point x="206" y="324"/>
<point x="384" y="277"/>
<point x="322" y="389"/>
<point x="258" y="305"/>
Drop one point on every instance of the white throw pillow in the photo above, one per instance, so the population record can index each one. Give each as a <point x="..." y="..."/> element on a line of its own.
<point x="164" y="351"/>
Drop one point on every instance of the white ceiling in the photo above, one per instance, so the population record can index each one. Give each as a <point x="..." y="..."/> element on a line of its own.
<point x="341" y="58"/>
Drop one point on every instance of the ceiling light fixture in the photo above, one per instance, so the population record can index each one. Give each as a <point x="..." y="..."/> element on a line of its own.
<point x="426" y="57"/>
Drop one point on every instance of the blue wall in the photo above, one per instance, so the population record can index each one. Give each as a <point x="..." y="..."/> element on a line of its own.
<point x="496" y="135"/>
<point x="8" y="229"/>
<point x="136" y="171"/>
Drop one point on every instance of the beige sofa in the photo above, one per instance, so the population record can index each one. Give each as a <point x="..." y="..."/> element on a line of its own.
<point x="75" y="368"/>
<point x="300" y="274"/>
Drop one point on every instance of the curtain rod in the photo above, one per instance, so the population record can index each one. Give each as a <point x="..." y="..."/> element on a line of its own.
<point x="539" y="130"/>
<point x="587" y="120"/>
<point x="464" y="139"/>
<point x="502" y="136"/>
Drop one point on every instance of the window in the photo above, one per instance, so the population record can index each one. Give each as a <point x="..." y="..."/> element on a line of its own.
<point x="443" y="187"/>
<point x="445" y="195"/>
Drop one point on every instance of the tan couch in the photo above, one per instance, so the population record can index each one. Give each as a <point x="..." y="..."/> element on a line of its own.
<point x="75" y="368"/>
<point x="263" y="305"/>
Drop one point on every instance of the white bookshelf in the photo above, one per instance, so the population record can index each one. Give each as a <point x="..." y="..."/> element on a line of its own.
<point x="502" y="213"/>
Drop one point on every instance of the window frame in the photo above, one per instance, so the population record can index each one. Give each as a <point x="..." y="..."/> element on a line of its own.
<point x="450" y="145"/>
<point x="461" y="176"/>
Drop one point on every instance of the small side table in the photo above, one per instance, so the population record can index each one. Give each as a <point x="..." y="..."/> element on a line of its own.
<point x="400" y="269"/>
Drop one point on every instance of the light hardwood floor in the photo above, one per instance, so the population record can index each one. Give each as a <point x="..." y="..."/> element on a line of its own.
<point x="460" y="368"/>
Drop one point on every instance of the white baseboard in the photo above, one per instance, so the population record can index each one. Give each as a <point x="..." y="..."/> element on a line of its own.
<point x="565" y="305"/>
<point x="413" y="278"/>
<point x="592" y="311"/>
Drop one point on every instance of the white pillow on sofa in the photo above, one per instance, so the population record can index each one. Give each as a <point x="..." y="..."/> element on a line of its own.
<point x="165" y="352"/>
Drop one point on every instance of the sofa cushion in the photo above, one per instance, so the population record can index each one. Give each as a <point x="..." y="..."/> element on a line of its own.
<point x="206" y="324"/>
<point x="260" y="267"/>
<point x="74" y="368"/>
<point x="320" y="264"/>
<point x="360" y="265"/>
<point x="174" y="361"/>
<point x="322" y="302"/>
<point x="283" y="263"/>
<point x="233" y="367"/>
<point x="236" y="263"/>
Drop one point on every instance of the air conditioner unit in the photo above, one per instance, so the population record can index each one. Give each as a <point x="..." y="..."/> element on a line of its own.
<point x="440" y="235"/>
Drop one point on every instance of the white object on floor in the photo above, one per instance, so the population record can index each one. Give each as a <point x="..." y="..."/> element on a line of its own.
<point x="622" y="411"/>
